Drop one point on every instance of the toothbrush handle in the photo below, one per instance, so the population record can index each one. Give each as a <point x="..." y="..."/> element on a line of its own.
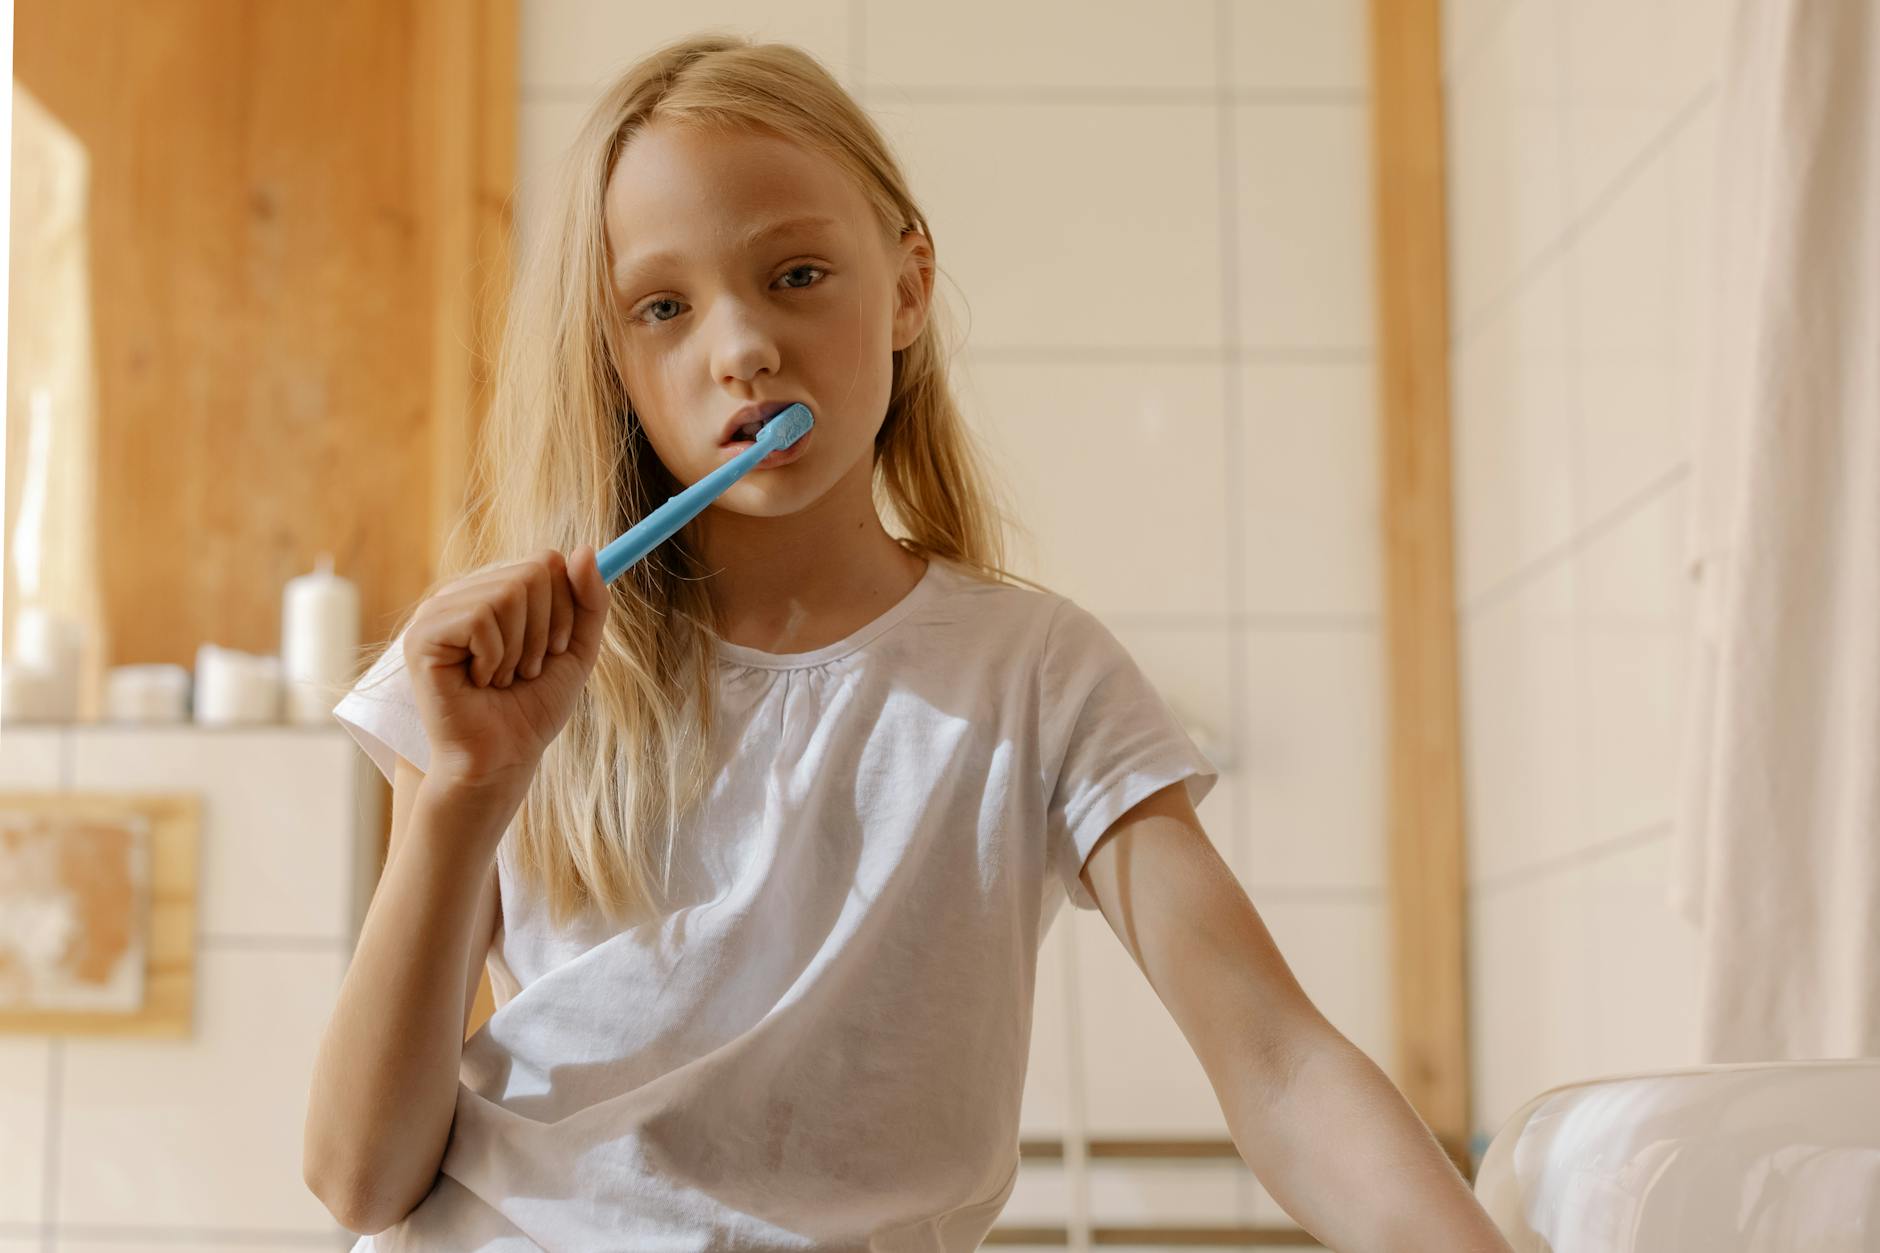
<point x="664" y="522"/>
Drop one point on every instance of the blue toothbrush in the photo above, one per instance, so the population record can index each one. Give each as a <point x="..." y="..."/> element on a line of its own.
<point x="664" y="522"/>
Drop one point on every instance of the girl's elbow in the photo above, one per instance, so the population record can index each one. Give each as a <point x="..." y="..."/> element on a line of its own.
<point x="358" y="1200"/>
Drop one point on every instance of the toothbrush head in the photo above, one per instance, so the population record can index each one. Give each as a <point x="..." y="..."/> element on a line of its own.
<point x="786" y="427"/>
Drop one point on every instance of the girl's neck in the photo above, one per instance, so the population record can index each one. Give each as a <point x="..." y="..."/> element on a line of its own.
<point x="799" y="583"/>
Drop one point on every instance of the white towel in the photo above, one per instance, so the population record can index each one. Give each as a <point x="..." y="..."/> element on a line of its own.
<point x="50" y="560"/>
<point x="1778" y="824"/>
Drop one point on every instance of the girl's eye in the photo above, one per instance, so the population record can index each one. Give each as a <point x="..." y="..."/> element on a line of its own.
<point x="815" y="269"/>
<point x="646" y="310"/>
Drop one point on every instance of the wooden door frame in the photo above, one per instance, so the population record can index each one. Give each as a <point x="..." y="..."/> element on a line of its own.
<point x="1427" y="854"/>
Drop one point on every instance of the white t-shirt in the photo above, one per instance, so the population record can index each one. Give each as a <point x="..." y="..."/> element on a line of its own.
<point x="823" y="1044"/>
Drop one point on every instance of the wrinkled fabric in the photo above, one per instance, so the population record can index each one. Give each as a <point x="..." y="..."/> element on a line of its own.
<point x="1777" y="833"/>
<point x="822" y="1042"/>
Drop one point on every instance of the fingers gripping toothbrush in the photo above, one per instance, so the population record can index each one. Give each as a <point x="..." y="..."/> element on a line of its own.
<point x="664" y="522"/>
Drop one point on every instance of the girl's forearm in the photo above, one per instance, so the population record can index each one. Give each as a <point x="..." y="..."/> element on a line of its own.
<point x="1340" y="1149"/>
<point x="384" y="1087"/>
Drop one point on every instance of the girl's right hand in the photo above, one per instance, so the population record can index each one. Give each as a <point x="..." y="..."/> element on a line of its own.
<point x="497" y="660"/>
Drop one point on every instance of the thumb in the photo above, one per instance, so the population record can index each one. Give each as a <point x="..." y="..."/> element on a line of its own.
<point x="592" y="598"/>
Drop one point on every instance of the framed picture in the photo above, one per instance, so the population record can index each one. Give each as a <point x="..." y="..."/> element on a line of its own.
<point x="98" y="912"/>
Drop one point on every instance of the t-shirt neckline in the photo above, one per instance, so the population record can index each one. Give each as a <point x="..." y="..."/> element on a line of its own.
<point x="744" y="655"/>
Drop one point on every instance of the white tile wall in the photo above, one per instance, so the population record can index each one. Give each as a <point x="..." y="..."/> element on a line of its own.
<point x="1512" y="393"/>
<point x="1627" y="67"/>
<point x="1581" y="172"/>
<point x="195" y="1142"/>
<point x="1153" y="229"/>
<point x="1309" y="533"/>
<point x="571" y="47"/>
<point x="1635" y="616"/>
<point x="1144" y="441"/>
<point x="1578" y="971"/>
<point x="1042" y="45"/>
<point x="1312" y="755"/>
<point x="1464" y="25"/>
<point x="1283" y="45"/>
<point x="25" y="1066"/>
<point x="1088" y="225"/>
<point x="1522" y="731"/>
<point x="1620" y="292"/>
<point x="1302" y="193"/>
<point x="1506" y="151"/>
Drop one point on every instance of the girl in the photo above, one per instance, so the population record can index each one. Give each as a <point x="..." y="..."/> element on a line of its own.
<point x="759" y="843"/>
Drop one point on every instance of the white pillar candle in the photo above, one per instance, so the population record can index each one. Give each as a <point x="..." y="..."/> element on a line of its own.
<point x="319" y="641"/>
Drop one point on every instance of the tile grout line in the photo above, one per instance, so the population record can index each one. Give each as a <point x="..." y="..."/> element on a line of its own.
<point x="1578" y="858"/>
<point x="1466" y="57"/>
<point x="1196" y="354"/>
<point x="1576" y="545"/>
<point x="1316" y="893"/>
<point x="176" y="1234"/>
<point x="54" y="1124"/>
<point x="1227" y="147"/>
<point x="1556" y="249"/>
<point x="1573" y="394"/>
<point x="1190" y="97"/>
<point x="1026" y="94"/>
<point x="1227" y="174"/>
<point x="1076" y="1092"/>
<point x="55" y="1067"/>
<point x="251" y="942"/>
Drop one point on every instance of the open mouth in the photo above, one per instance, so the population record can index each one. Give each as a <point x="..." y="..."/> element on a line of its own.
<point x="746" y="434"/>
<point x="777" y="457"/>
<point x="754" y="419"/>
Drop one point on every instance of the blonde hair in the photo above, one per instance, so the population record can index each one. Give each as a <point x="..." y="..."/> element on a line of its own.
<point x="560" y="461"/>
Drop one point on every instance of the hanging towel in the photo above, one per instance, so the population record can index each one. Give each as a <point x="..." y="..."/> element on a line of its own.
<point x="50" y="559"/>
<point x="1778" y="821"/>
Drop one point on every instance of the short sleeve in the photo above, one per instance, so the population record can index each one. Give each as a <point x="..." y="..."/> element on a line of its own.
<point x="1111" y="737"/>
<point x="381" y="712"/>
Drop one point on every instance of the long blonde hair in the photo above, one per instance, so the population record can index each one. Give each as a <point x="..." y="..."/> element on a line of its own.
<point x="561" y="460"/>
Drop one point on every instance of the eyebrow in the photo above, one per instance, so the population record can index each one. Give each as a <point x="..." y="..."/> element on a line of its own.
<point x="625" y="271"/>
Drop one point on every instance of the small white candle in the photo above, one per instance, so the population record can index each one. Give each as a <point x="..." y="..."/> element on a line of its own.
<point x="236" y="688"/>
<point x="319" y="641"/>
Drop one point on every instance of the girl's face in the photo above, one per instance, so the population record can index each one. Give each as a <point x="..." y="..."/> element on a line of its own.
<point x="747" y="270"/>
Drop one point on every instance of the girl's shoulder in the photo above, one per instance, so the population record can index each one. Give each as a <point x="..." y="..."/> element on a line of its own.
<point x="1015" y="617"/>
<point x="994" y="602"/>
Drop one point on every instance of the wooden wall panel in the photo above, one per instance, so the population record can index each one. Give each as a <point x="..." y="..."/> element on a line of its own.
<point x="1426" y="871"/>
<point x="293" y="210"/>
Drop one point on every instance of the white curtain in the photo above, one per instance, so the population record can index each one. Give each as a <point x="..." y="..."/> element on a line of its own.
<point x="1778" y="830"/>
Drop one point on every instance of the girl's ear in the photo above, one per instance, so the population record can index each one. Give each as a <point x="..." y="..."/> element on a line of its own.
<point x="913" y="288"/>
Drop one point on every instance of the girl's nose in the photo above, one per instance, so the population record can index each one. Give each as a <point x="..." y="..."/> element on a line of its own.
<point x="742" y="347"/>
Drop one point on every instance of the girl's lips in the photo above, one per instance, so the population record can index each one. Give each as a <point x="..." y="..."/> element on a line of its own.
<point x="782" y="457"/>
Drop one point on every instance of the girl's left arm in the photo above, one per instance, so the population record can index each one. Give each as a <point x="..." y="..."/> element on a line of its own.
<point x="1323" y="1128"/>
